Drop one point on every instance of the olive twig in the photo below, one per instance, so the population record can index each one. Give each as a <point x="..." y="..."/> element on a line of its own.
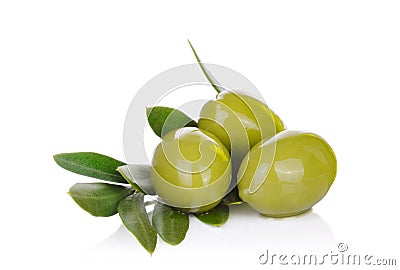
<point x="214" y="83"/>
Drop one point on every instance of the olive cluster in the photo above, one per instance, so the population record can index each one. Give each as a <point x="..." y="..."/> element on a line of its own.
<point x="241" y="142"/>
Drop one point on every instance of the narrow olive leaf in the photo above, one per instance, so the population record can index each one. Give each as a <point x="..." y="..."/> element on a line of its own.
<point x="215" y="217"/>
<point x="92" y="165"/>
<point x="164" y="119"/>
<point x="170" y="224"/>
<point x="138" y="175"/>
<point x="134" y="216"/>
<point x="232" y="198"/>
<point x="99" y="199"/>
<point x="210" y="78"/>
<point x="126" y="175"/>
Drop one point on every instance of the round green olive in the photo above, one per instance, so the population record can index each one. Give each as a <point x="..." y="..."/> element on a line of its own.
<point x="287" y="174"/>
<point x="239" y="121"/>
<point x="191" y="170"/>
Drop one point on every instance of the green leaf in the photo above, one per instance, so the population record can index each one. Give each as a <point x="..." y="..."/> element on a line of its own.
<point x="210" y="78"/>
<point x="232" y="198"/>
<point x="170" y="224"/>
<point x="134" y="216"/>
<point x="99" y="199"/>
<point x="164" y="119"/>
<point x="138" y="175"/>
<point x="215" y="217"/>
<point x="92" y="165"/>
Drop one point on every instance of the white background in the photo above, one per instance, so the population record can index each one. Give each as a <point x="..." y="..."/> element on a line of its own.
<point x="69" y="70"/>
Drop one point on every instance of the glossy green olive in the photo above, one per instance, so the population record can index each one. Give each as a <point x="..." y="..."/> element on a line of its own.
<point x="239" y="121"/>
<point x="191" y="170"/>
<point x="287" y="174"/>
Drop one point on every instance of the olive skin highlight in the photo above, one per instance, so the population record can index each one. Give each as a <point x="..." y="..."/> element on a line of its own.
<point x="239" y="122"/>
<point x="191" y="170"/>
<point x="287" y="174"/>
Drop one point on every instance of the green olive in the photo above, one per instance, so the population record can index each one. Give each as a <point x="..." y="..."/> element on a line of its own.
<point x="239" y="121"/>
<point x="287" y="174"/>
<point x="191" y="170"/>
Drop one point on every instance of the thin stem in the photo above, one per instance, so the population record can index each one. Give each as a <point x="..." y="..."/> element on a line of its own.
<point x="206" y="73"/>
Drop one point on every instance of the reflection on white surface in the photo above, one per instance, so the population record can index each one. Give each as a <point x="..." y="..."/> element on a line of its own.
<point x="244" y="237"/>
<point x="305" y="231"/>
